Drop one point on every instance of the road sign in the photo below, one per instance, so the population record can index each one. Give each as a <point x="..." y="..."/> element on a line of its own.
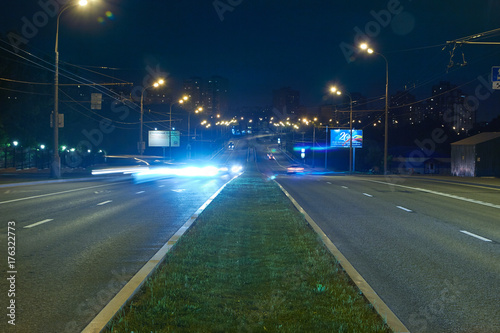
<point x="95" y="101"/>
<point x="60" y="123"/>
<point x="495" y="77"/>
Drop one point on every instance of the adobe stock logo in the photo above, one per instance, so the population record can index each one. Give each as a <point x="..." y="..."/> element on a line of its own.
<point x="31" y="27"/>
<point x="222" y="6"/>
<point x="400" y="21"/>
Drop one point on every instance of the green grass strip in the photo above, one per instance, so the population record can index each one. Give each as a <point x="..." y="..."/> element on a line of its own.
<point x="250" y="263"/>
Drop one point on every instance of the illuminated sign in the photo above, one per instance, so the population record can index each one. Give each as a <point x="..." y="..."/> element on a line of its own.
<point x="342" y="138"/>
<point x="163" y="138"/>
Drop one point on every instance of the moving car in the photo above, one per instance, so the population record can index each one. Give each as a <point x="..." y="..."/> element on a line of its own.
<point x="295" y="168"/>
<point x="230" y="146"/>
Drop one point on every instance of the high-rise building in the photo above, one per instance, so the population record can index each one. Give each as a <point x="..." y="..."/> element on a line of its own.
<point x="193" y="87"/>
<point x="403" y="109"/>
<point x="448" y="104"/>
<point x="286" y="99"/>
<point x="211" y="94"/>
<point x="215" y="95"/>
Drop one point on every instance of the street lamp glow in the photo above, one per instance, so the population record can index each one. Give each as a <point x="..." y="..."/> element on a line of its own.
<point x="335" y="90"/>
<point x="83" y="2"/>
<point x="158" y="83"/>
<point x="365" y="47"/>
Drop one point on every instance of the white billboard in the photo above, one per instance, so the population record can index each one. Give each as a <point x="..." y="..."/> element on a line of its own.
<point x="163" y="138"/>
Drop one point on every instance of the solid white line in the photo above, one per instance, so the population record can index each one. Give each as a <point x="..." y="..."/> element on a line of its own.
<point x="476" y="236"/>
<point x="49" y="194"/>
<point x="368" y="195"/>
<point x="104" y="202"/>
<point x="38" y="223"/>
<point x="440" y="193"/>
<point x="140" y="192"/>
<point x="345" y="187"/>
<point x="405" y="209"/>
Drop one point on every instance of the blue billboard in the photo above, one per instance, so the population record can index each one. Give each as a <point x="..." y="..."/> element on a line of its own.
<point x="342" y="138"/>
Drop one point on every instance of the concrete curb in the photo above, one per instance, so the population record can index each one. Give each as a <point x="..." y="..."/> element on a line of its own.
<point x="382" y="309"/>
<point x="98" y="324"/>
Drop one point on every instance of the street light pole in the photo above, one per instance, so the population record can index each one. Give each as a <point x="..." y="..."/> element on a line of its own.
<point x="350" y="134"/>
<point x="141" y="145"/>
<point x="386" y="123"/>
<point x="55" y="170"/>
<point x="185" y="98"/>
<point x="338" y="92"/>
<point x="386" y="136"/>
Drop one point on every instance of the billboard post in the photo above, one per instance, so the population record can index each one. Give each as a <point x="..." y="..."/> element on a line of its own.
<point x="344" y="139"/>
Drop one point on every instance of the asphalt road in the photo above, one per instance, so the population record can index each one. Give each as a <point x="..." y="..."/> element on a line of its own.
<point x="78" y="243"/>
<point x="429" y="246"/>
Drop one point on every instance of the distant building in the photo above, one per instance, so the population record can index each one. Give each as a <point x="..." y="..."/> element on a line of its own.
<point x="193" y="87"/>
<point x="286" y="100"/>
<point x="402" y="109"/>
<point x="476" y="156"/>
<point x="211" y="94"/>
<point x="215" y="99"/>
<point x="448" y="105"/>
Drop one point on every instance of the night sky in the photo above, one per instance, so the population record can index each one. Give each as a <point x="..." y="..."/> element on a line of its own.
<point x="264" y="45"/>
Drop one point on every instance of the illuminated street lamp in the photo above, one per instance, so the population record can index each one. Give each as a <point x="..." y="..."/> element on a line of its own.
<point x="367" y="49"/>
<point x="338" y="92"/>
<point x="141" y="145"/>
<point x="55" y="170"/>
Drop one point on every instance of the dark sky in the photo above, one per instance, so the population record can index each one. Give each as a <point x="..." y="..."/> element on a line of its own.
<point x="264" y="45"/>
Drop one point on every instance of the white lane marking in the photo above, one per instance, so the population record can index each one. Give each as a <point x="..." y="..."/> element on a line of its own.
<point x="440" y="193"/>
<point x="179" y="190"/>
<point x="345" y="187"/>
<point x="476" y="236"/>
<point x="104" y="202"/>
<point x="161" y="186"/>
<point x="329" y="183"/>
<point x="55" y="193"/>
<point x="405" y="209"/>
<point x="133" y="286"/>
<point x="368" y="195"/>
<point x="38" y="223"/>
<point x="140" y="192"/>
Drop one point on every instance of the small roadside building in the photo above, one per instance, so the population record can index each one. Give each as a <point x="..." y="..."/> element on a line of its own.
<point x="477" y="156"/>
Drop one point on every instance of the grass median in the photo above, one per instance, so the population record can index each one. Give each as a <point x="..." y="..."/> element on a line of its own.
<point x="251" y="263"/>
